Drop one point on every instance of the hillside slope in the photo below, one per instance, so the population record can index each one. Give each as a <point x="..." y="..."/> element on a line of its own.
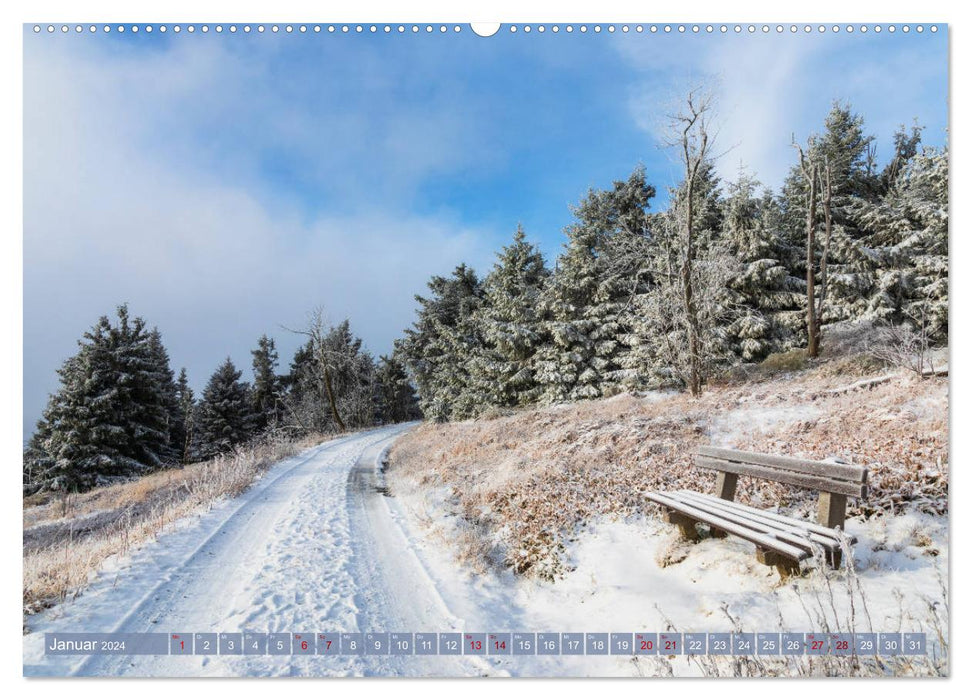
<point x="527" y="481"/>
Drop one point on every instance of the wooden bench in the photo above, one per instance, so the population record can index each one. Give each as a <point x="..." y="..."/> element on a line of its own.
<point x="780" y="541"/>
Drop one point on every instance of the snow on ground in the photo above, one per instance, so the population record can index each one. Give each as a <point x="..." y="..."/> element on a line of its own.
<point x="618" y="584"/>
<point x="306" y="549"/>
<point x="319" y="544"/>
<point x="726" y="428"/>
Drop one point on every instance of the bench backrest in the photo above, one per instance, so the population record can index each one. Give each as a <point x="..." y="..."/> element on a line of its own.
<point x="825" y="477"/>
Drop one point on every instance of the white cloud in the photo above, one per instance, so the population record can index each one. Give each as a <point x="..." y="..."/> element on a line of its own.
<point x="772" y="86"/>
<point x="119" y="207"/>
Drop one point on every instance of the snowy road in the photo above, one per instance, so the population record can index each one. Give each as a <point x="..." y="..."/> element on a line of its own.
<point x="311" y="547"/>
<point x="316" y="546"/>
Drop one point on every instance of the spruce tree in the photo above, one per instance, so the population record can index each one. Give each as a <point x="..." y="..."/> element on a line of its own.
<point x="267" y="386"/>
<point x="766" y="296"/>
<point x="437" y="348"/>
<point x="352" y="373"/>
<point x="509" y="323"/>
<point x="162" y="382"/>
<point x="305" y="409"/>
<point x="397" y="401"/>
<point x="111" y="415"/>
<point x="908" y="230"/>
<point x="183" y="429"/>
<point x="39" y="463"/>
<point x="847" y="151"/>
<point x="661" y="352"/>
<point x="585" y="301"/>
<point x="225" y="416"/>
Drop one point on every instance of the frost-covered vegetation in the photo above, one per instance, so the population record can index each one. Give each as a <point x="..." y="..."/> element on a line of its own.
<point x="728" y="273"/>
<point x="526" y="483"/>
<point x="68" y="536"/>
<point x="120" y="412"/>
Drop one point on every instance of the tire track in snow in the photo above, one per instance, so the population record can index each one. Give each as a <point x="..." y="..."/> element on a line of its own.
<point x="295" y="553"/>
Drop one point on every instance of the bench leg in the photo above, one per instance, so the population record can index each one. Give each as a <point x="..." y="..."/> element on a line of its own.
<point x="725" y="486"/>
<point x="685" y="524"/>
<point x="784" y="565"/>
<point x="831" y="512"/>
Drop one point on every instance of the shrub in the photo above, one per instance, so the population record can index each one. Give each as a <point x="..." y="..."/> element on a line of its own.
<point x="790" y="361"/>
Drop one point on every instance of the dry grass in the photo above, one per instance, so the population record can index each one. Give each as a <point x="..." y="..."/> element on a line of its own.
<point x="527" y="481"/>
<point x="66" y="540"/>
<point x="822" y="595"/>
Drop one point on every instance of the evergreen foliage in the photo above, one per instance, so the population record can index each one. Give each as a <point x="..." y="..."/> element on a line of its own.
<point x="437" y="348"/>
<point x="613" y="315"/>
<point x="766" y="295"/>
<point x="113" y="412"/>
<point x="225" y="417"/>
<point x="511" y="332"/>
<point x="396" y="401"/>
<point x="184" y="428"/>
<point x="267" y="385"/>
<point x="584" y="303"/>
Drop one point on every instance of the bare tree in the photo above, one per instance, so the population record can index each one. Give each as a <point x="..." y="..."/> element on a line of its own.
<point x="324" y="362"/>
<point x="907" y="346"/>
<point x="817" y="179"/>
<point x="690" y="129"/>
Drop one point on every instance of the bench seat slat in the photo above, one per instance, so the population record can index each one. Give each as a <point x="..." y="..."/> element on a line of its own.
<point x="801" y="537"/>
<point x="841" y="472"/>
<point x="760" y="538"/>
<point x="817" y="483"/>
<point x="794" y="522"/>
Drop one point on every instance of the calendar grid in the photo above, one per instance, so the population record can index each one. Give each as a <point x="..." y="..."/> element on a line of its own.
<point x="777" y="644"/>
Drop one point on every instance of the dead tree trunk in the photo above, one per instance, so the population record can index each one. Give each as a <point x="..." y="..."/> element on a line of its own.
<point x="694" y="143"/>
<point x="828" y="228"/>
<point x="810" y="173"/>
<point x="694" y="370"/>
<point x="335" y="414"/>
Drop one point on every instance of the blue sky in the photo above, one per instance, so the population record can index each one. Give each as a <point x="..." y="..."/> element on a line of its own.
<point x="226" y="184"/>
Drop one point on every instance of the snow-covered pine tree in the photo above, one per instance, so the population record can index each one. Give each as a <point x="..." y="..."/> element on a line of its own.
<point x="183" y="430"/>
<point x="437" y="347"/>
<point x="39" y="462"/>
<point x="225" y="414"/>
<point x="847" y="151"/>
<point x="509" y="324"/>
<point x="909" y="228"/>
<point x="332" y="383"/>
<point x="584" y="303"/>
<point x="161" y="386"/>
<point x="266" y="384"/>
<point x="110" y="417"/>
<point x="397" y="401"/>
<point x="768" y="300"/>
<point x="305" y="407"/>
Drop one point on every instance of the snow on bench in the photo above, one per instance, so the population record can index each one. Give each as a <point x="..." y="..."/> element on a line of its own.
<point x="779" y="540"/>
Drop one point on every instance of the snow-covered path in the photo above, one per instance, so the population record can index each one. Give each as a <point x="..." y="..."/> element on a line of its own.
<point x="310" y="548"/>
<point x="316" y="546"/>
